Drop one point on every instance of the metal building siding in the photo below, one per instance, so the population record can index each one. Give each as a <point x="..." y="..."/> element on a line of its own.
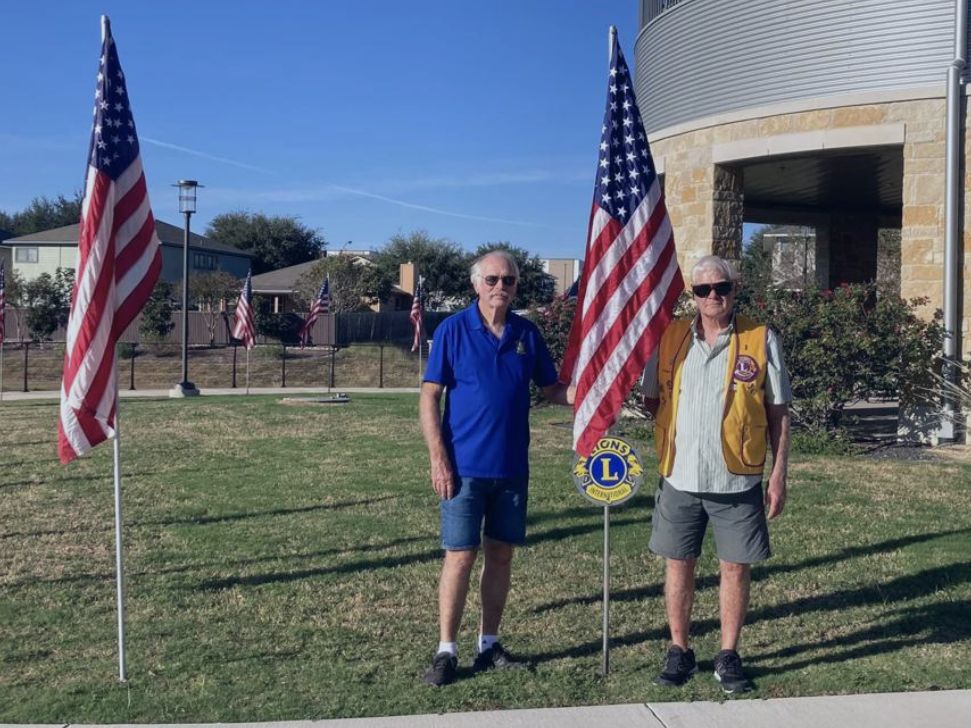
<point x="705" y="57"/>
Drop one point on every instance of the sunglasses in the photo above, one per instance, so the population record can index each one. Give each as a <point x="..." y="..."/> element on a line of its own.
<point x="722" y="288"/>
<point x="508" y="281"/>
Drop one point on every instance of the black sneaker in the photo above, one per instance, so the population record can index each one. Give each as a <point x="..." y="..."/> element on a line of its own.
<point x="679" y="666"/>
<point x="442" y="671"/>
<point x="497" y="658"/>
<point x="728" y="671"/>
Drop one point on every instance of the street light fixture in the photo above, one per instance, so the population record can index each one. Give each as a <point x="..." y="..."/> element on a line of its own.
<point x="187" y="205"/>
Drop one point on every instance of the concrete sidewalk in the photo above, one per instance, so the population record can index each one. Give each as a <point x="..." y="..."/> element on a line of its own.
<point x="216" y="391"/>
<point x="944" y="709"/>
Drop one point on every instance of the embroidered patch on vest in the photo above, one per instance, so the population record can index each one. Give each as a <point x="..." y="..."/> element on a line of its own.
<point x="746" y="368"/>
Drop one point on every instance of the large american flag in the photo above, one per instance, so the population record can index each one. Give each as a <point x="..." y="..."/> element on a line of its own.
<point x="244" y="329"/>
<point x="3" y="304"/>
<point x="417" y="312"/>
<point x="631" y="280"/>
<point x="118" y="263"/>
<point x="320" y="307"/>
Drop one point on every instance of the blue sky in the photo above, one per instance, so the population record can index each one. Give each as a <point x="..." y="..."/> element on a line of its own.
<point x="475" y="121"/>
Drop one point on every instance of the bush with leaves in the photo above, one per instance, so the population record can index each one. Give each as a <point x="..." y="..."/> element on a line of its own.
<point x="850" y="344"/>
<point x="157" y="320"/>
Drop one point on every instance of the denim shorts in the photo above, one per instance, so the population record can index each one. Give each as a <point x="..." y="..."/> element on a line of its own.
<point x="500" y="502"/>
<point x="680" y="519"/>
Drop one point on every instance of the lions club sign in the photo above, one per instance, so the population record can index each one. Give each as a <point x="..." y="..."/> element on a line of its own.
<point x="611" y="475"/>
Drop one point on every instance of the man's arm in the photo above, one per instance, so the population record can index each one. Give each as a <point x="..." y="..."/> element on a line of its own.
<point x="775" y="493"/>
<point x="443" y="478"/>
<point x="560" y="393"/>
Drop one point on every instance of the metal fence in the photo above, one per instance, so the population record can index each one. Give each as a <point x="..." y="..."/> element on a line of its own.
<point x="332" y="330"/>
<point x="30" y="366"/>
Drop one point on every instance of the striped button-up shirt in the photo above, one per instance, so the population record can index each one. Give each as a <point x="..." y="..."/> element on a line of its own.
<point x="699" y="464"/>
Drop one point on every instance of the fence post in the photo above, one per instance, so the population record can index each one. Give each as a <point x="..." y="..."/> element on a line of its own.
<point x="131" y="371"/>
<point x="26" y="347"/>
<point x="333" y="356"/>
<point x="283" y="361"/>
<point x="234" y="365"/>
<point x="380" y="366"/>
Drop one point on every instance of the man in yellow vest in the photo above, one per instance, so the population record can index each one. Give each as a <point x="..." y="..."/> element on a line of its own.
<point x="718" y="388"/>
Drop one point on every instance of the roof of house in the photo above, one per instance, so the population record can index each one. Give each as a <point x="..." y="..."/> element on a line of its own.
<point x="168" y="234"/>
<point x="284" y="280"/>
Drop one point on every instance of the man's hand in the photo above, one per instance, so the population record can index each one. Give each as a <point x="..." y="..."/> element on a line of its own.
<point x="775" y="495"/>
<point x="443" y="479"/>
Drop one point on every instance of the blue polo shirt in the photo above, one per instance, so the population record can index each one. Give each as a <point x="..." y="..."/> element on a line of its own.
<point x="486" y="422"/>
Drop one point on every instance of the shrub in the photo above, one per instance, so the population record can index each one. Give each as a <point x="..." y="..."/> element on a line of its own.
<point x="850" y="344"/>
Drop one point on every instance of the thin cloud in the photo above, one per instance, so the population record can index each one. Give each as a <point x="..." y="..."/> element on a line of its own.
<point x="204" y="155"/>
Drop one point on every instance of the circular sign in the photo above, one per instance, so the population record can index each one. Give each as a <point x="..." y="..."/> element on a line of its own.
<point x="611" y="475"/>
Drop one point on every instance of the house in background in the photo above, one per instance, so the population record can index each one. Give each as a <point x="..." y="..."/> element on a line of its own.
<point x="46" y="251"/>
<point x="280" y="286"/>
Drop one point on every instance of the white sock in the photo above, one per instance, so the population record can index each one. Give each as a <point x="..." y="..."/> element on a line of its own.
<point x="486" y="641"/>
<point x="450" y="647"/>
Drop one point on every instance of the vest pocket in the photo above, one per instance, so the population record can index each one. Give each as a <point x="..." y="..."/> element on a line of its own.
<point x="753" y="445"/>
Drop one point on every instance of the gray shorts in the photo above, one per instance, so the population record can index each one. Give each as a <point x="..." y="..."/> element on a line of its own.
<point x="738" y="520"/>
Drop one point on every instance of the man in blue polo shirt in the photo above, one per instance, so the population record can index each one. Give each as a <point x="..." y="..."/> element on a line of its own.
<point x="484" y="357"/>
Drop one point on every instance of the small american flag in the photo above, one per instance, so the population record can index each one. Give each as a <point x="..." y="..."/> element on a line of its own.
<point x="118" y="263"/>
<point x="320" y="307"/>
<point x="417" y="312"/>
<point x="244" y="329"/>
<point x="3" y="305"/>
<point x="631" y="280"/>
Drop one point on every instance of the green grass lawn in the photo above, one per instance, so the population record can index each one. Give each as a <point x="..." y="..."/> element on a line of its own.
<point x="282" y="564"/>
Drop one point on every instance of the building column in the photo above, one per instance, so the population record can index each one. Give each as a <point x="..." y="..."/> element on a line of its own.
<point x="728" y="198"/>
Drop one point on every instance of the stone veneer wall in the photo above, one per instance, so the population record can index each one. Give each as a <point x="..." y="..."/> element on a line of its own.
<point x="698" y="210"/>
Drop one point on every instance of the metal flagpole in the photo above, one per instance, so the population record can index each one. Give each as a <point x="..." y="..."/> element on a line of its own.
<point x="247" y="370"/>
<point x="1" y="366"/>
<point x="119" y="562"/>
<point x="605" y="665"/>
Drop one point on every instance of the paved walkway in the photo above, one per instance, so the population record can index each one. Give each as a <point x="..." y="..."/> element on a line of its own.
<point x="944" y="709"/>
<point x="210" y="391"/>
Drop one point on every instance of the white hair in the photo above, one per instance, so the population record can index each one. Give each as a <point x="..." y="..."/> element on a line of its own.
<point x="476" y="269"/>
<point x="714" y="264"/>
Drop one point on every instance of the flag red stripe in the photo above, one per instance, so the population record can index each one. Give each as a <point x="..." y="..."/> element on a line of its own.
<point x="625" y="317"/>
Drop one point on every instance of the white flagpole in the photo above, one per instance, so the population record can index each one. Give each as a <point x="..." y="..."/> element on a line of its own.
<point x="119" y="562"/>
<point x="247" y="370"/>
<point x="1" y="366"/>
<point x="421" y="312"/>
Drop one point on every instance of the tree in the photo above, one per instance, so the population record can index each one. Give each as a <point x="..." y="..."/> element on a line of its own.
<point x="276" y="242"/>
<point x="441" y="263"/>
<point x="48" y="300"/>
<point x="353" y="283"/>
<point x="15" y="298"/>
<point x="42" y="213"/>
<point x="208" y="292"/>
<point x="536" y="286"/>
<point x="157" y="314"/>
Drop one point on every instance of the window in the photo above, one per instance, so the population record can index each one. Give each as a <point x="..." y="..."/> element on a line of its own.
<point x="25" y="255"/>
<point x="203" y="261"/>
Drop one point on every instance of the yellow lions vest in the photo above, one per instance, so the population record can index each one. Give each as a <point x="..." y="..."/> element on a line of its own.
<point x="744" y="423"/>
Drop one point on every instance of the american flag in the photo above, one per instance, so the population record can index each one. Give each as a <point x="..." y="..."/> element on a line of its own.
<point x="3" y="304"/>
<point x="417" y="311"/>
<point x="320" y="306"/>
<point x="244" y="328"/>
<point x="631" y="280"/>
<point x="118" y="263"/>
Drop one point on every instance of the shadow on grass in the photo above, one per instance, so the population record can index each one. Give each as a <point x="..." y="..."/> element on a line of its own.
<point x="209" y="565"/>
<point x="912" y="626"/>
<point x="430" y="555"/>
<point x="758" y="572"/>
<point x="198" y="520"/>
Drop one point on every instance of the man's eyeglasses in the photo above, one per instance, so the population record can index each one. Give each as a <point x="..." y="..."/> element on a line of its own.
<point x="722" y="288"/>
<point x="508" y="281"/>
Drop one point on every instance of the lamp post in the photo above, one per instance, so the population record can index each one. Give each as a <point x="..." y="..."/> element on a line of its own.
<point x="187" y="205"/>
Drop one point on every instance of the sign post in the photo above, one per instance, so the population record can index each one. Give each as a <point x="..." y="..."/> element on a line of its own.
<point x="609" y="477"/>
